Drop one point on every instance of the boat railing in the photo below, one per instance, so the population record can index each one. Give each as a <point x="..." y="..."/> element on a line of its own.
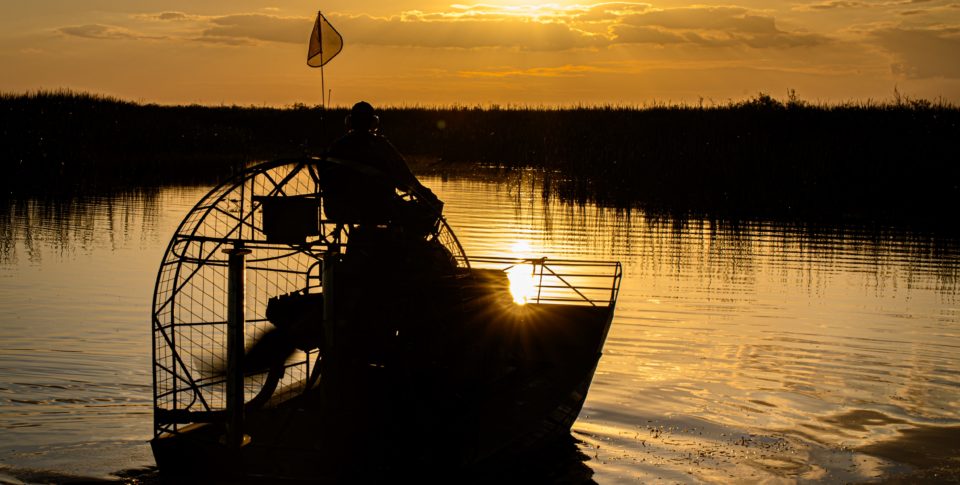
<point x="558" y="281"/>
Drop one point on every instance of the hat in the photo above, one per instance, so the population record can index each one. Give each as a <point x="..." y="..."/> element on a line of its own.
<point x="361" y="116"/>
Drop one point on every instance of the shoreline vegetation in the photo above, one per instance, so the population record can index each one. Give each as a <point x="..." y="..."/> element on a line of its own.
<point x="891" y="163"/>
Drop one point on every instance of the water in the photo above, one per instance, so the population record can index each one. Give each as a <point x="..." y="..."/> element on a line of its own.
<point x="739" y="352"/>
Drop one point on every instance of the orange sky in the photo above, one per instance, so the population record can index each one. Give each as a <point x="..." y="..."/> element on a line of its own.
<point x="429" y="52"/>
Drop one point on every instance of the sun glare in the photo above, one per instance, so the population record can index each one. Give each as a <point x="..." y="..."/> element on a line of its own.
<point x="529" y="10"/>
<point x="522" y="286"/>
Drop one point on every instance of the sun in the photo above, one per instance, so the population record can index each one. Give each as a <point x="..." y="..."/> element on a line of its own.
<point x="522" y="286"/>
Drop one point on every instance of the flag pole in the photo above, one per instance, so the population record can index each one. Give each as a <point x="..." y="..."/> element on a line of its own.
<point x="323" y="89"/>
<point x="316" y="57"/>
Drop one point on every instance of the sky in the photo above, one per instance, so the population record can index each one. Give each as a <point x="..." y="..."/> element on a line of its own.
<point x="429" y="52"/>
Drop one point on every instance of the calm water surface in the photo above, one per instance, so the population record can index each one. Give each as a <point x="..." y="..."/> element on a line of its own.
<point x="739" y="352"/>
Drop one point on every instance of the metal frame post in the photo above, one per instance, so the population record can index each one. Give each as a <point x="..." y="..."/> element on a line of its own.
<point x="236" y="318"/>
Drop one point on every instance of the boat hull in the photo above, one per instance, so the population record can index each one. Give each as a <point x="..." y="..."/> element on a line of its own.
<point x="508" y="382"/>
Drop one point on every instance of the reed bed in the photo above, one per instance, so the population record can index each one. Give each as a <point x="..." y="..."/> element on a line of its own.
<point x="888" y="162"/>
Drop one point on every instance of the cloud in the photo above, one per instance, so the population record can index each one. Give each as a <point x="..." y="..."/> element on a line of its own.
<point x="173" y="16"/>
<point x="922" y="53"/>
<point x="634" y="34"/>
<point x="258" y="27"/>
<point x="241" y="29"/>
<point x="842" y="4"/>
<point x="552" y="28"/>
<point x="542" y="28"/>
<point x="936" y="13"/>
<point x="164" y="17"/>
<point x="412" y="30"/>
<point x="551" y="72"/>
<point x="610" y="11"/>
<point x="708" y="26"/>
<point x="477" y="26"/>
<point x="100" y="31"/>
<point x="545" y="12"/>
<point x="832" y="5"/>
<point x="704" y="18"/>
<point x="234" y="41"/>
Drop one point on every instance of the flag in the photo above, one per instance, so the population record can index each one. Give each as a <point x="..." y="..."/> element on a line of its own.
<point x="325" y="42"/>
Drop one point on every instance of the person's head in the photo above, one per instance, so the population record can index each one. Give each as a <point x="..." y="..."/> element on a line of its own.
<point x="361" y="118"/>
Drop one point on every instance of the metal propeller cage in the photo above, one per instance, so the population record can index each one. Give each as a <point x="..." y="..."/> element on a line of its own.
<point x="190" y="303"/>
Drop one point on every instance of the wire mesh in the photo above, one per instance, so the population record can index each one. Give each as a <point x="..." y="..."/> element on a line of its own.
<point x="190" y="299"/>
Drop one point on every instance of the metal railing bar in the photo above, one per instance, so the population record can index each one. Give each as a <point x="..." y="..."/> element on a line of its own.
<point x="604" y="288"/>
<point x="192" y="324"/>
<point x="280" y="256"/>
<point x="273" y="270"/>
<point x="584" y="275"/>
<point x="568" y="284"/>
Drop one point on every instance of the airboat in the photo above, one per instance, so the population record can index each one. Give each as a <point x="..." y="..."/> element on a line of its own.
<point x="295" y="340"/>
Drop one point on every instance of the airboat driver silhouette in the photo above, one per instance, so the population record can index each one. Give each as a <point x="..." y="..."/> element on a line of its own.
<point x="365" y="170"/>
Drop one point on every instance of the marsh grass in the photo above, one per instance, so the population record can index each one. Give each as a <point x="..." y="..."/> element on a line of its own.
<point x="889" y="162"/>
<point x="61" y="139"/>
<point x="862" y="162"/>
